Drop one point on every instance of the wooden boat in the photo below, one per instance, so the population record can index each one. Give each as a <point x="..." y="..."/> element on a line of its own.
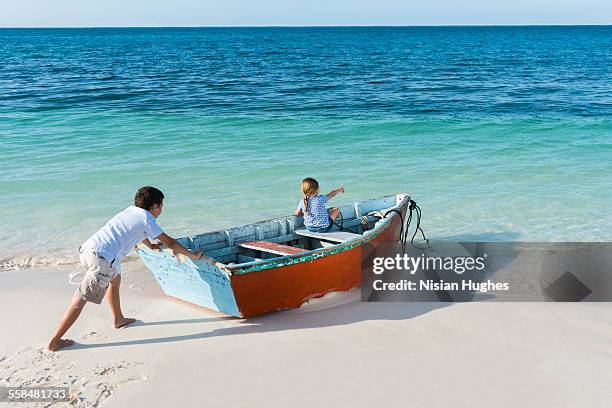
<point x="276" y="264"/>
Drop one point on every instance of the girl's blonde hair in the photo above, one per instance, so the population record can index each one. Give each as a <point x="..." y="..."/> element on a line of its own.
<point x="310" y="187"/>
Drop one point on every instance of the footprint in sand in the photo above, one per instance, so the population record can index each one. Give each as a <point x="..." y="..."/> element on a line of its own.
<point x="131" y="379"/>
<point x="90" y="335"/>
<point x="89" y="387"/>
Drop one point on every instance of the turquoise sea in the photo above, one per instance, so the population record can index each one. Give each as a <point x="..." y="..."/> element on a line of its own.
<point x="499" y="133"/>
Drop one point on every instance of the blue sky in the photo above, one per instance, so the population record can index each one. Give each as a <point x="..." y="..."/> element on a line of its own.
<point x="88" y="13"/>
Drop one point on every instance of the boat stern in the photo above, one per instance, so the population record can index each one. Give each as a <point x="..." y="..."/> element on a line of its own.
<point x="201" y="282"/>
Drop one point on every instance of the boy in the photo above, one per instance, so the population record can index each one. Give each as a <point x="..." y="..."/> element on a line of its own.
<point x="102" y="253"/>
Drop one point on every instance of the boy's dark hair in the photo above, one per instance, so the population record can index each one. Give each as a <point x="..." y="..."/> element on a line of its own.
<point x="147" y="197"/>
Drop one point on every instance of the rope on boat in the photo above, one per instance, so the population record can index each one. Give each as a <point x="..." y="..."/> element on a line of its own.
<point x="405" y="227"/>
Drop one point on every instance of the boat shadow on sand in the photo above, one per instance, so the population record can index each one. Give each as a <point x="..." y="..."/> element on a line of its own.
<point x="310" y="316"/>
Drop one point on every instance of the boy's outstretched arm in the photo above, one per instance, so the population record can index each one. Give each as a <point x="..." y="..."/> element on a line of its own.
<point x="333" y="193"/>
<point x="176" y="247"/>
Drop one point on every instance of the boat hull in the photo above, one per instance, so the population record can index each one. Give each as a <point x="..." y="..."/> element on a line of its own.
<point x="289" y="286"/>
<point x="275" y="284"/>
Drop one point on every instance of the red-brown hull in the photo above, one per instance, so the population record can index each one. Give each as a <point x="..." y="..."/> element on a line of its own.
<point x="289" y="286"/>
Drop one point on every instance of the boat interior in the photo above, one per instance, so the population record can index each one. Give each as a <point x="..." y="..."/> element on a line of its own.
<point x="283" y="236"/>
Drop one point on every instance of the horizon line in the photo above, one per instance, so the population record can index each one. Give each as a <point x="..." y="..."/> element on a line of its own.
<point x="316" y="26"/>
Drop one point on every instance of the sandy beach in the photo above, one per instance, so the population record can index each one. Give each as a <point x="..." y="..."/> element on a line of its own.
<point x="335" y="351"/>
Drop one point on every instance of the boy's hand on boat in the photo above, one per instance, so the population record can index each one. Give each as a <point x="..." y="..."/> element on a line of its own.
<point x="341" y="190"/>
<point x="195" y="255"/>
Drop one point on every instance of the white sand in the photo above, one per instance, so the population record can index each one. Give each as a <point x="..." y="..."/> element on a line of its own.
<point x="334" y="352"/>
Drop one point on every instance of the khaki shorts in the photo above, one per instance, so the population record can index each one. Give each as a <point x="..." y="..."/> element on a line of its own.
<point x="97" y="277"/>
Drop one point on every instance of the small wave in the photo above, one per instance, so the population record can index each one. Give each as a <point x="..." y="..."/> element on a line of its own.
<point x="25" y="261"/>
<point x="30" y="261"/>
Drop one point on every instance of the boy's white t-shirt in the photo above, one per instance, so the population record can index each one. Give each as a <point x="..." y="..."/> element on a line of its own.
<point x="115" y="239"/>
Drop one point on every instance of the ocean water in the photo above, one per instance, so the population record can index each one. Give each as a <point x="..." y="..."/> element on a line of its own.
<point x="499" y="133"/>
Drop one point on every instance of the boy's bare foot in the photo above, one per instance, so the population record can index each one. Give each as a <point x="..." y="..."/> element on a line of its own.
<point x="124" y="321"/>
<point x="59" y="344"/>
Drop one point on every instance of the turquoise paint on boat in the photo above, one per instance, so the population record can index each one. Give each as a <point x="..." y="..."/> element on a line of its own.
<point x="197" y="282"/>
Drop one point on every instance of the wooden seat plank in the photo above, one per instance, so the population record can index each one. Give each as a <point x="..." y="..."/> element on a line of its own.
<point x="272" y="247"/>
<point x="335" y="236"/>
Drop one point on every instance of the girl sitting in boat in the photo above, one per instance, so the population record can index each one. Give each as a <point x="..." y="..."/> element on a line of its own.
<point x="316" y="217"/>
